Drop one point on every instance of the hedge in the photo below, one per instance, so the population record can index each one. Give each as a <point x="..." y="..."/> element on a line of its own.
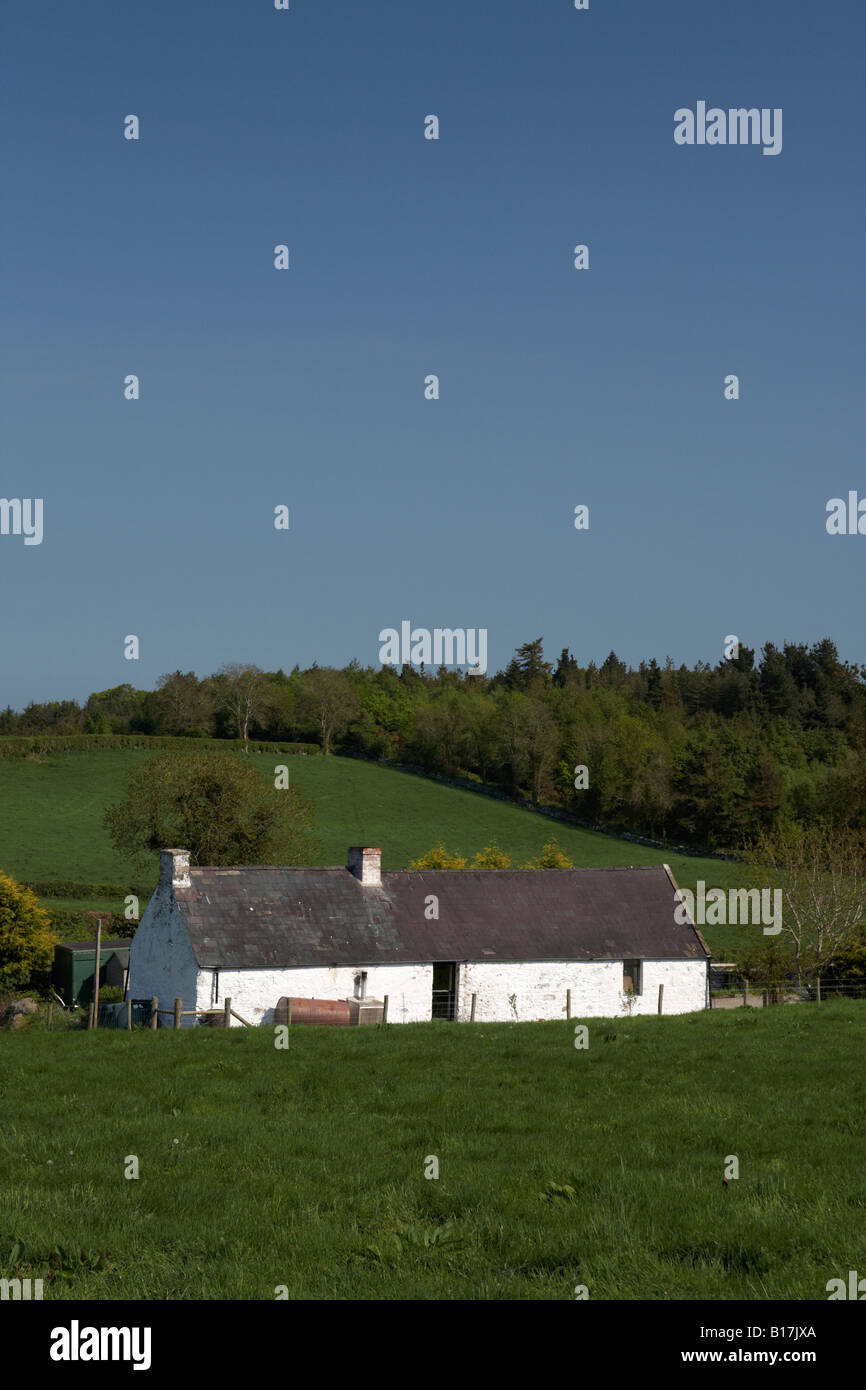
<point x="80" y="926"/>
<point x="72" y="888"/>
<point x="40" y="745"/>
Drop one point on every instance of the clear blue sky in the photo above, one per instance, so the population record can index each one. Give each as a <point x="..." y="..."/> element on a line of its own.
<point x="410" y="257"/>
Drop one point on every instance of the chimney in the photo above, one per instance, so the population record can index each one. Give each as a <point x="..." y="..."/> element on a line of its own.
<point x="174" y="868"/>
<point x="366" y="865"/>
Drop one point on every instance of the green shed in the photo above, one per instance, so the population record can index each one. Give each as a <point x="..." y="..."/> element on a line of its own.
<point x="72" y="974"/>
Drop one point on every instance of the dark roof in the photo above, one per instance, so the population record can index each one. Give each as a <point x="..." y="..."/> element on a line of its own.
<point x="279" y="918"/>
<point x="91" y="945"/>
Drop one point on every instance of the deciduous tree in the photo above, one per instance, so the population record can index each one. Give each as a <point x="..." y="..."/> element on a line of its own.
<point x="220" y="807"/>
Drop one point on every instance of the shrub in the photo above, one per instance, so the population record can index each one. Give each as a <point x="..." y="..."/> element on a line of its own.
<point x="26" y="938"/>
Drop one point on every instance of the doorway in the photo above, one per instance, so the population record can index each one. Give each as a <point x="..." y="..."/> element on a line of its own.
<point x="445" y="990"/>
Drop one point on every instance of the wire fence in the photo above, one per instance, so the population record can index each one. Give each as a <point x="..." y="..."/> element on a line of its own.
<point x="755" y="993"/>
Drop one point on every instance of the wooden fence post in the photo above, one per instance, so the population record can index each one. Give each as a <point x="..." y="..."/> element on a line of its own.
<point x="129" y="1015"/>
<point x="227" y="1019"/>
<point x="154" y="1006"/>
<point x="50" y="1012"/>
<point x="385" y="1009"/>
<point x="568" y="1003"/>
<point x="178" y="1006"/>
<point x="818" y="984"/>
<point x="472" y="1009"/>
<point x="96" y="972"/>
<point x="661" y="996"/>
<point x="746" y="992"/>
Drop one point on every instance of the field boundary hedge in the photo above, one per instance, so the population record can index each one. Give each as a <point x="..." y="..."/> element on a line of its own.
<point x="74" y="888"/>
<point x="41" y="745"/>
<point x="78" y="925"/>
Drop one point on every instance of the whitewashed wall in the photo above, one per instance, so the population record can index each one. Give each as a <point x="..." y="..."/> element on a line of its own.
<point x="161" y="958"/>
<point x="539" y="989"/>
<point x="162" y="962"/>
<point x="255" y="993"/>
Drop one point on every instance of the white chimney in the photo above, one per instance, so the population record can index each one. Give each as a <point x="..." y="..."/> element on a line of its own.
<point x="366" y="865"/>
<point x="174" y="868"/>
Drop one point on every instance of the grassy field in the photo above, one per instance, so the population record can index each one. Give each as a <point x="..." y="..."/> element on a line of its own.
<point x="51" y="823"/>
<point x="557" y="1167"/>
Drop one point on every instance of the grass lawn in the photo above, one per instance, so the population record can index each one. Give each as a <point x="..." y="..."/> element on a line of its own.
<point x="51" y="823"/>
<point x="557" y="1167"/>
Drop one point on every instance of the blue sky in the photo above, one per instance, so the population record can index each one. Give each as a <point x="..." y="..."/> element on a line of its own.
<point x="409" y="257"/>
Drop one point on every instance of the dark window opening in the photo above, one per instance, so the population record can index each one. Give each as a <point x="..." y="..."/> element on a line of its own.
<point x="632" y="982"/>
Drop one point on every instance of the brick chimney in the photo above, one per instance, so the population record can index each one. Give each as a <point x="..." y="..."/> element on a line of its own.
<point x="366" y="865"/>
<point x="174" y="868"/>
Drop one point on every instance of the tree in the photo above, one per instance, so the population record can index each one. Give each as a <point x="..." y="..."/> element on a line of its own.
<point x="822" y="876"/>
<point x="567" y="670"/>
<point x="767" y="966"/>
<point x="26" y="939"/>
<point x="442" y="737"/>
<point x="529" y="740"/>
<point x="612" y="671"/>
<point x="527" y="667"/>
<point x="116" y="711"/>
<point x="482" y="733"/>
<point x="216" y="805"/>
<point x="328" y="700"/>
<point x="183" y="705"/>
<point x="241" y="692"/>
<point x="727" y="788"/>
<point x="849" y="968"/>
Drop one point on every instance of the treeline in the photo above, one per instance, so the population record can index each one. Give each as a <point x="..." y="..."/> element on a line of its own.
<point x="708" y="755"/>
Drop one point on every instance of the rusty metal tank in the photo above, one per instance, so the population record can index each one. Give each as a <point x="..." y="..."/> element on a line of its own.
<point x="333" y="1012"/>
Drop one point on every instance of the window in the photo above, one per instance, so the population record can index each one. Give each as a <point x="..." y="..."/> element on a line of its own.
<point x="632" y="982"/>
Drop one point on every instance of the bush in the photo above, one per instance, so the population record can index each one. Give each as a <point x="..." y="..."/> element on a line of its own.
<point x="26" y="938"/>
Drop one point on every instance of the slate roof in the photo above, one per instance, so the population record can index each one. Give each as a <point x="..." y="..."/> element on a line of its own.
<point x="280" y="918"/>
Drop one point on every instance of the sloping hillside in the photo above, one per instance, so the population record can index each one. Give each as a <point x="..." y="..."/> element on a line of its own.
<point x="51" y="822"/>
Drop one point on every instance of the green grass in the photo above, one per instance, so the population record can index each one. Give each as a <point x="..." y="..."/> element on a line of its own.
<point x="558" y="1167"/>
<point x="51" y="815"/>
<point x="51" y="824"/>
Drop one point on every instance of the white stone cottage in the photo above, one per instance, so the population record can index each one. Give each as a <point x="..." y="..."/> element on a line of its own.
<point x="430" y="939"/>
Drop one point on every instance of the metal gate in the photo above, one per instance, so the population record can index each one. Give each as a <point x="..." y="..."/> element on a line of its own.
<point x="114" y="1015"/>
<point x="444" y="990"/>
